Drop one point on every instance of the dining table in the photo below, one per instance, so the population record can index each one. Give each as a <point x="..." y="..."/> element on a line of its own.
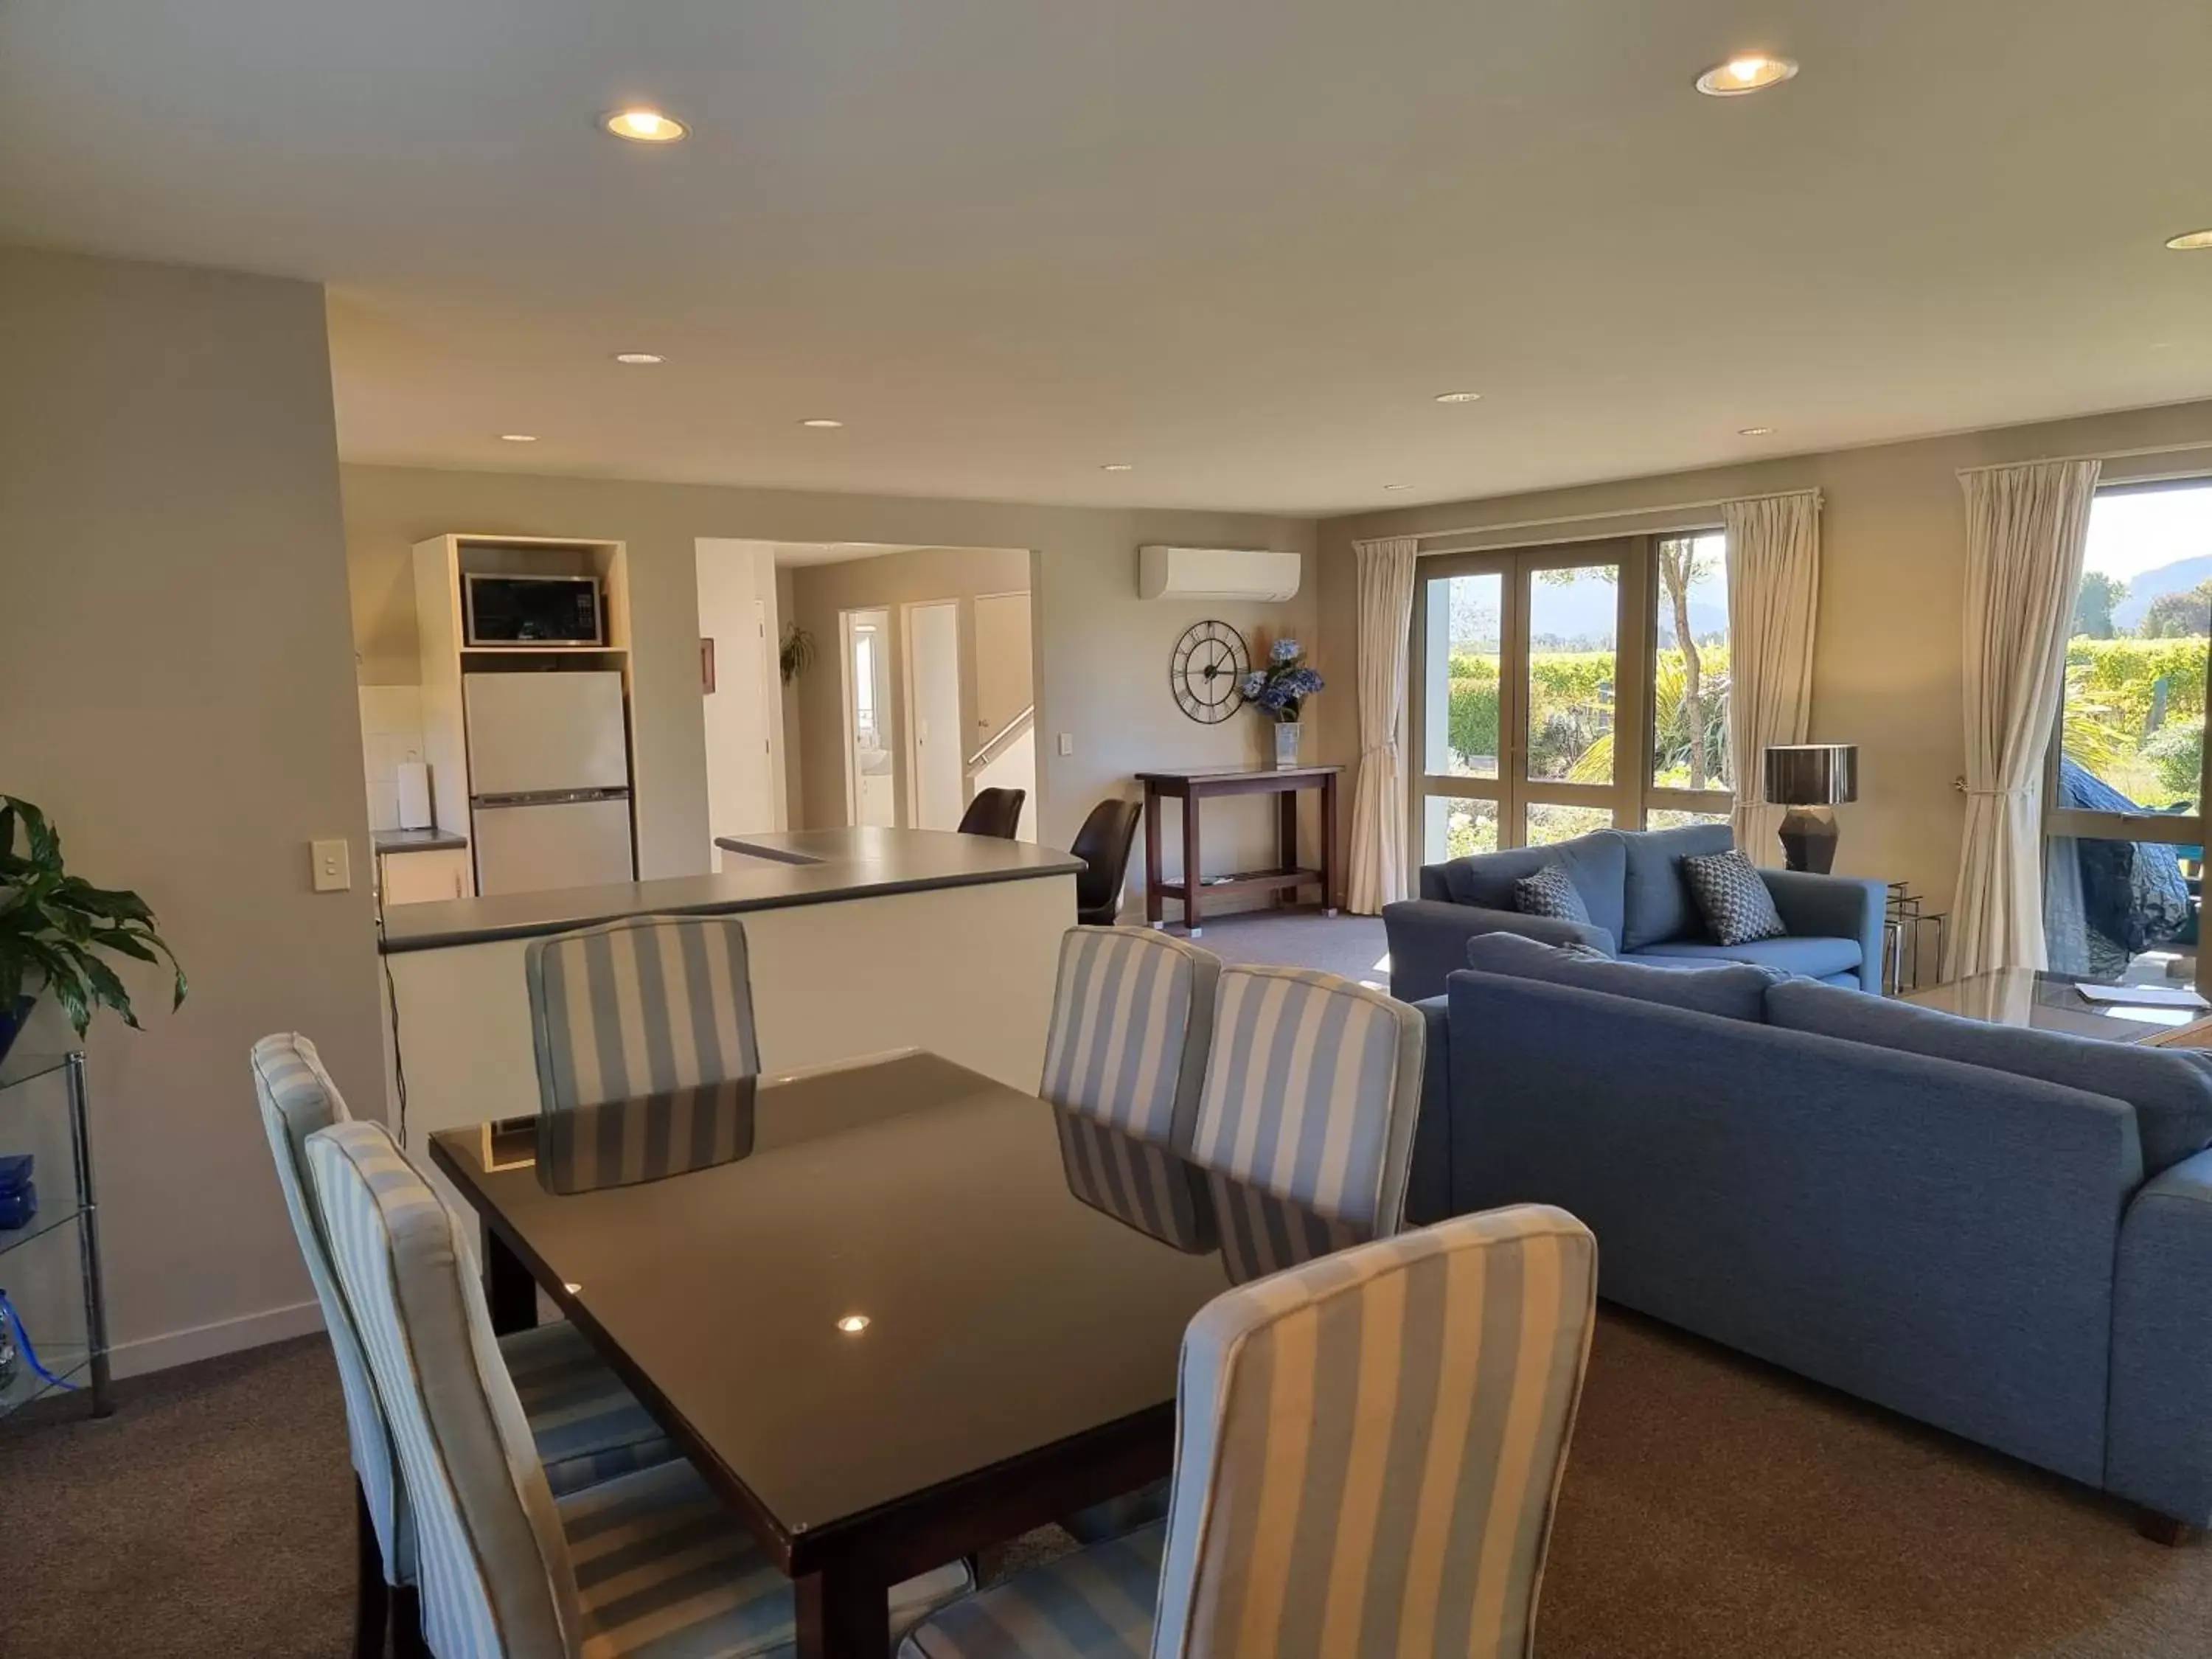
<point x="895" y="1312"/>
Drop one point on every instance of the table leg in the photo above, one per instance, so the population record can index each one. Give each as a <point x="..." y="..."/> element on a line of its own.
<point x="844" y="1613"/>
<point x="1191" y="865"/>
<point x="509" y="1290"/>
<point x="1155" y="877"/>
<point x="1330" y="849"/>
<point x="1286" y="844"/>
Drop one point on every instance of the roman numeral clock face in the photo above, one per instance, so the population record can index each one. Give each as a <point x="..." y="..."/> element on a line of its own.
<point x="1207" y="671"/>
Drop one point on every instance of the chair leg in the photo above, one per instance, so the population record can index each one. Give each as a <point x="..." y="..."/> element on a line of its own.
<point x="372" y="1596"/>
<point x="407" y="1641"/>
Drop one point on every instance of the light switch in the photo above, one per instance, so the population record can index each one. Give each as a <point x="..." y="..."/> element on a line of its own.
<point x="333" y="867"/>
<point x="1067" y="743"/>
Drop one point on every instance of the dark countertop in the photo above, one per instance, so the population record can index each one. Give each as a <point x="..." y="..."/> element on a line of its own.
<point x="416" y="840"/>
<point x="843" y="864"/>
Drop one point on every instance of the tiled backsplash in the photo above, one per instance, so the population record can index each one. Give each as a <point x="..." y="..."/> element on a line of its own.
<point x="390" y="732"/>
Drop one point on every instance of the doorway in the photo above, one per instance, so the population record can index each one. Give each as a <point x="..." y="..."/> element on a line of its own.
<point x="936" y="781"/>
<point x="869" y="799"/>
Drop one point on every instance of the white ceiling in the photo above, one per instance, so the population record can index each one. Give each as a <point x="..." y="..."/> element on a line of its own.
<point x="1238" y="243"/>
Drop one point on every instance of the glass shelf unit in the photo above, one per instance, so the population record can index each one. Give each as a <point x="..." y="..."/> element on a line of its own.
<point x="50" y="1267"/>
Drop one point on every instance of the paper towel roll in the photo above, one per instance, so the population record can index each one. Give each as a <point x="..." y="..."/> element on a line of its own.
<point x="413" y="790"/>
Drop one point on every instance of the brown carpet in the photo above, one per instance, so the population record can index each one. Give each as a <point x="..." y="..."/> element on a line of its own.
<point x="1712" y="1507"/>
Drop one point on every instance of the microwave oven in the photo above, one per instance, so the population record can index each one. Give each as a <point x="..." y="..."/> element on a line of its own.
<point x="499" y="610"/>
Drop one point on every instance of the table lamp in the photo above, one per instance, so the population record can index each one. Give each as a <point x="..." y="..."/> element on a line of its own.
<point x="1810" y="778"/>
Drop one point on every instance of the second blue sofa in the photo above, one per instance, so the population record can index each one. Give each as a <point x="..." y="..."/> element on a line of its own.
<point x="1631" y="882"/>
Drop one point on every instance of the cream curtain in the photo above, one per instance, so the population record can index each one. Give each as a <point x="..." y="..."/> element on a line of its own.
<point x="1774" y="592"/>
<point x="2024" y="530"/>
<point x="1378" y="800"/>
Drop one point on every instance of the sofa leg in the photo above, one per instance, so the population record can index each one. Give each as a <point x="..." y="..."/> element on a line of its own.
<point x="2163" y="1529"/>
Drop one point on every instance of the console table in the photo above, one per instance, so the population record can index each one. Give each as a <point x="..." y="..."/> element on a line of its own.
<point x="1283" y="878"/>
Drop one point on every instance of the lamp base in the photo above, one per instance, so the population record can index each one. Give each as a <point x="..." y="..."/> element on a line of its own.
<point x="1808" y="839"/>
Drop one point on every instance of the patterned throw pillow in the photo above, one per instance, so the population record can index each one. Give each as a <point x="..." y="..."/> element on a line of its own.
<point x="1734" y="901"/>
<point x="1550" y="892"/>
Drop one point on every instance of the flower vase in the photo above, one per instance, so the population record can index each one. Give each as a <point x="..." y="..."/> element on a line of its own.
<point x="1286" y="745"/>
<point x="11" y="1022"/>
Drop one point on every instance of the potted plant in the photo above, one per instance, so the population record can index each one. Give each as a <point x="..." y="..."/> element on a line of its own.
<point x="53" y="926"/>
<point x="1280" y="691"/>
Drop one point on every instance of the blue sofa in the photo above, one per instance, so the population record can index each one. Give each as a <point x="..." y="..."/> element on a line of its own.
<point x="1640" y="908"/>
<point x="2007" y="1234"/>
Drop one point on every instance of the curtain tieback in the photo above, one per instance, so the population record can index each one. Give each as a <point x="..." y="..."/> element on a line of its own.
<point x="1387" y="746"/>
<point x="1999" y="794"/>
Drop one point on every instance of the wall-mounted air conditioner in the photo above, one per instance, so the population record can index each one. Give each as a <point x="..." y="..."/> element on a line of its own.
<point x="1216" y="573"/>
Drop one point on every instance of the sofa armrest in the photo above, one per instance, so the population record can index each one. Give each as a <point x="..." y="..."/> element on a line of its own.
<point x="1428" y="939"/>
<point x="2158" y="1437"/>
<point x="1428" y="1184"/>
<point x="1834" y="907"/>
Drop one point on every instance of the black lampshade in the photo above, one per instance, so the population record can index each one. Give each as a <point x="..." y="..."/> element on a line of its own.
<point x="1812" y="774"/>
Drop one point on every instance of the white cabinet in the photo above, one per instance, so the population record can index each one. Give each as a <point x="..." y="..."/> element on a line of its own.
<point x="421" y="878"/>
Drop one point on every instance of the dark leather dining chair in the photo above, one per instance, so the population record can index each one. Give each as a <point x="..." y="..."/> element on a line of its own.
<point x="1104" y="844"/>
<point x="993" y="813"/>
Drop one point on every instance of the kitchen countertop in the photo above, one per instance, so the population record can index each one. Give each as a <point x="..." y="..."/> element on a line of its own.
<point x="838" y="864"/>
<point x="416" y="840"/>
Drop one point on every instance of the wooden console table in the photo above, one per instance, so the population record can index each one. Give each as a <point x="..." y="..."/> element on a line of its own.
<point x="1283" y="878"/>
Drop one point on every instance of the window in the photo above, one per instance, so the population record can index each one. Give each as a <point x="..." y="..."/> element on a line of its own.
<point x="1540" y="716"/>
<point x="2123" y="858"/>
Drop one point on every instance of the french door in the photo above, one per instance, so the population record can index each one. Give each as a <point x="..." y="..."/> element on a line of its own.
<point x="1532" y="709"/>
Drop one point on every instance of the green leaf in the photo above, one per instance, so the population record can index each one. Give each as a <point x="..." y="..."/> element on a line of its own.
<point x="53" y="926"/>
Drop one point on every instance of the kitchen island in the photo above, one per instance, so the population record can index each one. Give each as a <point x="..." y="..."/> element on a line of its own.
<point x="859" y="941"/>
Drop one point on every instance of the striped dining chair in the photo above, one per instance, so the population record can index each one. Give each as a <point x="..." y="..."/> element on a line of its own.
<point x="584" y="1424"/>
<point x="1132" y="1019"/>
<point x="1312" y="1088"/>
<point x="650" y="1006"/>
<point x="1124" y="1060"/>
<point x="1368" y="1455"/>
<point x="646" y="1563"/>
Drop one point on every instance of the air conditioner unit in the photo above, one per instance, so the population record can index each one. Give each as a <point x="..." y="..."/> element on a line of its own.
<point x="1216" y="573"/>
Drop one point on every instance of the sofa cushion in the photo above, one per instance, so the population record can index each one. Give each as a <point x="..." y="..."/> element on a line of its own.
<point x="1550" y="892"/>
<point x="1656" y="900"/>
<point x="1815" y="958"/>
<point x="1594" y="862"/>
<point x="2171" y="1092"/>
<point x="1734" y="903"/>
<point x="1731" y="992"/>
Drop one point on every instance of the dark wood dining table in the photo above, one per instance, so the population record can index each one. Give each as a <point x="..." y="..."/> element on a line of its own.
<point x="895" y="1312"/>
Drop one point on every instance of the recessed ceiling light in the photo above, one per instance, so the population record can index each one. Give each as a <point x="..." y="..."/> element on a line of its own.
<point x="644" y="126"/>
<point x="852" y="1324"/>
<point x="1754" y="432"/>
<point x="638" y="359"/>
<point x="1747" y="72"/>
<point x="518" y="437"/>
<point x="821" y="423"/>
<point x="1397" y="486"/>
<point x="2190" y="241"/>
<point x="1119" y="467"/>
<point x="1459" y="397"/>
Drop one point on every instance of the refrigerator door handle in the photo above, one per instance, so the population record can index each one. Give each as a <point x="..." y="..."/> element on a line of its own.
<point x="549" y="798"/>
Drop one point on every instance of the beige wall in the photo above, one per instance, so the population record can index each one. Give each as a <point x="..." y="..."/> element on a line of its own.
<point x="177" y="695"/>
<point x="821" y="592"/>
<point x="1887" y="668"/>
<point x="1102" y="652"/>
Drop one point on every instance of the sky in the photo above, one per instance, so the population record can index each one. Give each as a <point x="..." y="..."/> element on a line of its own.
<point x="2129" y="534"/>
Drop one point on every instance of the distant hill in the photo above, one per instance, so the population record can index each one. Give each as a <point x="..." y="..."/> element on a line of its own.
<point x="2176" y="578"/>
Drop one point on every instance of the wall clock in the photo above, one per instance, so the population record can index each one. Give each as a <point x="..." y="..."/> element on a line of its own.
<point x="1207" y="671"/>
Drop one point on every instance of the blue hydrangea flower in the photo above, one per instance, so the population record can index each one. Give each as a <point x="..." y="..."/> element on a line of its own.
<point x="1285" y="651"/>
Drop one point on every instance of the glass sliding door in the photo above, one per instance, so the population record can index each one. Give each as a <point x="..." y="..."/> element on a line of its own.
<point x="2123" y="859"/>
<point x="1526" y="681"/>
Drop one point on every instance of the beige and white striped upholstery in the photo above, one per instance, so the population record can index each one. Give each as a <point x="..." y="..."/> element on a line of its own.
<point x="652" y="1005"/>
<point x="1369" y="1450"/>
<point x="646" y="1563"/>
<point x="586" y="1426"/>
<point x="1132" y="1014"/>
<point x="1311" y="1091"/>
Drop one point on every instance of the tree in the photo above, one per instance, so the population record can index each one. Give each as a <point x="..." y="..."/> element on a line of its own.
<point x="2094" y="603"/>
<point x="1680" y="567"/>
<point x="2179" y="616"/>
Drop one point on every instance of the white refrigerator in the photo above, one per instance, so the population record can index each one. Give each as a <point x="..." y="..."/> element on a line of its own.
<point x="548" y="780"/>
